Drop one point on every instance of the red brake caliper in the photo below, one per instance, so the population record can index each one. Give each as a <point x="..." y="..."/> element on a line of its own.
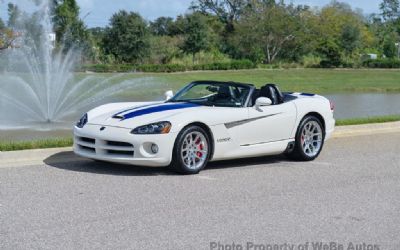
<point x="198" y="142"/>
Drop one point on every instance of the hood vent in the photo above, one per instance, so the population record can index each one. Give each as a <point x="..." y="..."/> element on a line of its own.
<point x="119" y="117"/>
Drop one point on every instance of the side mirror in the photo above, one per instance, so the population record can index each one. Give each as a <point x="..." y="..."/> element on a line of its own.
<point x="169" y="94"/>
<point x="263" y="101"/>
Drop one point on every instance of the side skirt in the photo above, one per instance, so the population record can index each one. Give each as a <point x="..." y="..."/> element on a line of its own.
<point x="254" y="150"/>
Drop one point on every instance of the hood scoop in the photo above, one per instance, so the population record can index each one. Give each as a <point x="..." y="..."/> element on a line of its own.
<point x="118" y="116"/>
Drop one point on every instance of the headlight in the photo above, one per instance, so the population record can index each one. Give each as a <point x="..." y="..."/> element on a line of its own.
<point x="82" y="121"/>
<point x="154" y="128"/>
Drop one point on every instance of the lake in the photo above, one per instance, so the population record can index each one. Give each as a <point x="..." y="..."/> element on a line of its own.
<point x="365" y="105"/>
<point x="346" y="106"/>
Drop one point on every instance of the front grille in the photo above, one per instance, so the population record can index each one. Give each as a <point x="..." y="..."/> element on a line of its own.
<point x="88" y="140"/>
<point x="120" y="153"/>
<point x="87" y="149"/>
<point x="119" y="144"/>
<point x="105" y="148"/>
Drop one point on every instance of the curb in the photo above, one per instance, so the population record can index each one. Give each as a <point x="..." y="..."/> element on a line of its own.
<point x="33" y="157"/>
<point x="366" y="129"/>
<point x="38" y="156"/>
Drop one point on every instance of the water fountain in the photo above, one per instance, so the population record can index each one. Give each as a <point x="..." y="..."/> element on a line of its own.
<point x="39" y="89"/>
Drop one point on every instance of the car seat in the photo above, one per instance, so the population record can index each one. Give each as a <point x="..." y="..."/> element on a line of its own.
<point x="272" y="92"/>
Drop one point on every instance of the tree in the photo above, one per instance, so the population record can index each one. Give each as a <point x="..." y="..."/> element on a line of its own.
<point x="162" y="26"/>
<point x="69" y="28"/>
<point x="389" y="47"/>
<point x="195" y="34"/>
<point x="2" y="25"/>
<point x="7" y="38"/>
<point x="340" y="28"/>
<point x="7" y="34"/>
<point x="266" y="31"/>
<point x="228" y="11"/>
<point x="127" y="37"/>
<point x="330" y="52"/>
<point x="390" y="9"/>
<point x="13" y="14"/>
<point x="350" y="38"/>
<point x="164" y="49"/>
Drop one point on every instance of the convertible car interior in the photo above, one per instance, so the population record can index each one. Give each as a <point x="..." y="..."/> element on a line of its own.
<point x="229" y="94"/>
<point x="232" y="94"/>
<point x="270" y="91"/>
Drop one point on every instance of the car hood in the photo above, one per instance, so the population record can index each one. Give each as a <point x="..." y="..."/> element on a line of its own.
<point x="131" y="115"/>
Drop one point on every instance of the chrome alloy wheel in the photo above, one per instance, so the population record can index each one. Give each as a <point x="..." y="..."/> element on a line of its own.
<point x="194" y="150"/>
<point x="311" y="138"/>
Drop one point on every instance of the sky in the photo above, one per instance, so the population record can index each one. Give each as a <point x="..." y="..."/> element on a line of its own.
<point x="98" y="12"/>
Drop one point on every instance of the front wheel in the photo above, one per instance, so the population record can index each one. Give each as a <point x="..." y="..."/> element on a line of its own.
<point x="191" y="150"/>
<point x="309" y="141"/>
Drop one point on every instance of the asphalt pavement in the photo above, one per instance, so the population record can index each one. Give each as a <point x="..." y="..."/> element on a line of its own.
<point x="349" y="196"/>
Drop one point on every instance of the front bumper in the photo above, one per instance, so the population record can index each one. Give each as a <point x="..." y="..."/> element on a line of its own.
<point x="114" y="144"/>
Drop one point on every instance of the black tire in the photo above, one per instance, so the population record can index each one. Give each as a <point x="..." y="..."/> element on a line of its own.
<point x="298" y="153"/>
<point x="177" y="163"/>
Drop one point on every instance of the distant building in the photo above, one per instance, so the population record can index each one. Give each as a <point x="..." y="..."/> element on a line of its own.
<point x="372" y="56"/>
<point x="369" y="56"/>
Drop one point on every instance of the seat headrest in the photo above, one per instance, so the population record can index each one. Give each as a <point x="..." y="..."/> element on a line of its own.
<point x="271" y="91"/>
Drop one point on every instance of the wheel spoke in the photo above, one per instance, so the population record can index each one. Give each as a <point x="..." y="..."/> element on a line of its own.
<point x="194" y="150"/>
<point x="310" y="128"/>
<point x="311" y="138"/>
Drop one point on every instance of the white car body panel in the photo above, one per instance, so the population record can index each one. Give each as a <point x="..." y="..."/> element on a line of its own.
<point x="235" y="132"/>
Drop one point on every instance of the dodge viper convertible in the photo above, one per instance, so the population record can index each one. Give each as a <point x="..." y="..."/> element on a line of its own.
<point x="206" y="121"/>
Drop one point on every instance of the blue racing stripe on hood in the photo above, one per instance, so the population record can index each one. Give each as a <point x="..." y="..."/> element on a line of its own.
<point x="159" y="108"/>
<point x="135" y="108"/>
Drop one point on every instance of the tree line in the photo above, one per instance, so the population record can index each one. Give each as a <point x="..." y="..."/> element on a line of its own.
<point x="262" y="31"/>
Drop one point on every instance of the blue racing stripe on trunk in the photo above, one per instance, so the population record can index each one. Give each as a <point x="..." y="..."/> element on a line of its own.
<point x="159" y="108"/>
<point x="307" y="94"/>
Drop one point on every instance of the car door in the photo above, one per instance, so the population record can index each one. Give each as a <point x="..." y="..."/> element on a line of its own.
<point x="228" y="119"/>
<point x="268" y="124"/>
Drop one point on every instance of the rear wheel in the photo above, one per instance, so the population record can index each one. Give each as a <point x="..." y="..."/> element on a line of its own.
<point x="191" y="151"/>
<point x="309" y="139"/>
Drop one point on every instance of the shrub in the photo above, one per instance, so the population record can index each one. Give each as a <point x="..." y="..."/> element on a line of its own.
<point x="385" y="63"/>
<point x="330" y="51"/>
<point x="157" y="68"/>
<point x="201" y="58"/>
<point x="105" y="68"/>
<point x="311" y="61"/>
<point x="168" y="68"/>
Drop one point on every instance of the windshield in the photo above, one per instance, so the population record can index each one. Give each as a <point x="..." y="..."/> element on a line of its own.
<point x="214" y="94"/>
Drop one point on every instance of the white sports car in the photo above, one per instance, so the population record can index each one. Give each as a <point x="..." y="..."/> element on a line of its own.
<point x="207" y="121"/>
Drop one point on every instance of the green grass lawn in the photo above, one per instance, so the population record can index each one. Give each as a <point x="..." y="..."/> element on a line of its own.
<point x="358" y="121"/>
<point x="320" y="81"/>
<point x="47" y="143"/>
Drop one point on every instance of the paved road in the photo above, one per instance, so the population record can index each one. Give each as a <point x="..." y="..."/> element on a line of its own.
<point x="351" y="194"/>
